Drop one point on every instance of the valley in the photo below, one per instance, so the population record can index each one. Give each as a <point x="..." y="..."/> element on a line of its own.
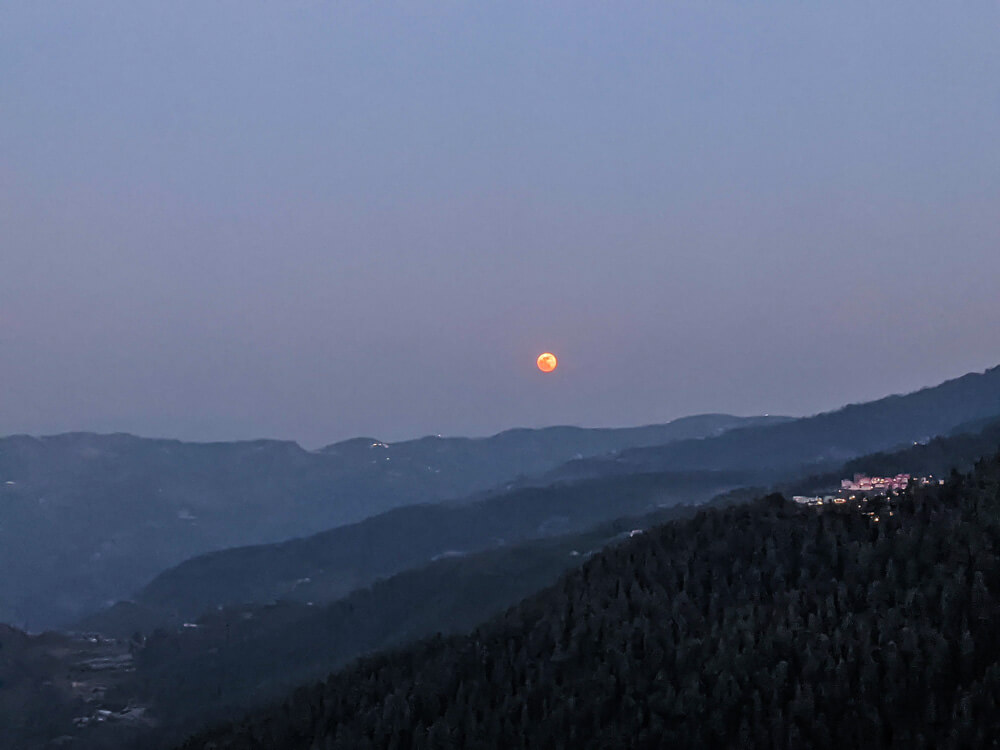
<point x="238" y="629"/>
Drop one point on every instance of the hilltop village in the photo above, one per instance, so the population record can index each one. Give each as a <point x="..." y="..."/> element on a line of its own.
<point x="862" y="486"/>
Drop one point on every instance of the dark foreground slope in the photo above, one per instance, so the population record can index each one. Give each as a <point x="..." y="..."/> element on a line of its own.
<point x="241" y="657"/>
<point x="87" y="518"/>
<point x="761" y="625"/>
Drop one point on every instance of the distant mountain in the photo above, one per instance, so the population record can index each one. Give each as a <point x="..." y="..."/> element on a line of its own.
<point x="331" y="564"/>
<point x="762" y="625"/>
<point x="86" y="519"/>
<point x="825" y="439"/>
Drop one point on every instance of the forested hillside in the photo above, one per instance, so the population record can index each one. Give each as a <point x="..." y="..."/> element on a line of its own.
<point x="758" y="625"/>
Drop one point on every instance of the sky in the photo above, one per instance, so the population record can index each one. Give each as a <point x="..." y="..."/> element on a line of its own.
<point x="315" y="220"/>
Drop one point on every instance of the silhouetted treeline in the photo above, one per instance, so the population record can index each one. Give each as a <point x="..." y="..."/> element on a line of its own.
<point x="761" y="625"/>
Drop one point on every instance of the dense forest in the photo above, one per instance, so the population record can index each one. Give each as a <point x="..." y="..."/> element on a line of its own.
<point x="756" y="625"/>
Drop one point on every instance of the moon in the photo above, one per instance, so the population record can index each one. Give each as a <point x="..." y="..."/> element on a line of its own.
<point x="547" y="362"/>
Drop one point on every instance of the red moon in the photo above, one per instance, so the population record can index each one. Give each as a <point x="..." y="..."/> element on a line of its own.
<point x="547" y="362"/>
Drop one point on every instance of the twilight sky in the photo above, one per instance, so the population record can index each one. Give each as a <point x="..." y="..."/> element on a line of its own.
<point x="313" y="220"/>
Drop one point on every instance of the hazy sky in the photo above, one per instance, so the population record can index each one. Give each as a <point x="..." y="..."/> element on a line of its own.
<point x="313" y="220"/>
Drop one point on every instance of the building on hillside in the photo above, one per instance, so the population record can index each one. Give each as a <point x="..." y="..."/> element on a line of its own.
<point x="814" y="500"/>
<point x="865" y="483"/>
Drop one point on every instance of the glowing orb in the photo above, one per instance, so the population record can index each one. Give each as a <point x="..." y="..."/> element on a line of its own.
<point x="547" y="362"/>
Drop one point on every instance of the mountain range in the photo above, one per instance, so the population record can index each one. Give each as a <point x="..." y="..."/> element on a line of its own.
<point x="631" y="482"/>
<point x="825" y="439"/>
<point x="331" y="564"/>
<point x="87" y="519"/>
